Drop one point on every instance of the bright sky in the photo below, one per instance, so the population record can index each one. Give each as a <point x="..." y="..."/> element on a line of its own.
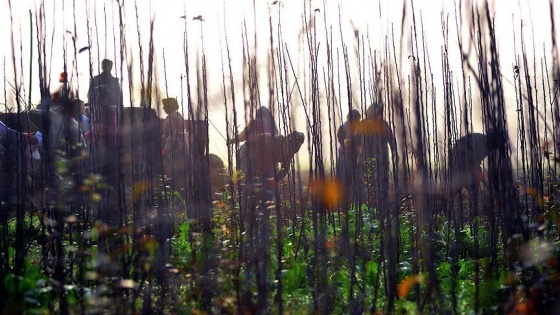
<point x="370" y="17"/>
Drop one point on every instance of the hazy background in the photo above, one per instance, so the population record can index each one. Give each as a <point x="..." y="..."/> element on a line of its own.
<point x="68" y="23"/>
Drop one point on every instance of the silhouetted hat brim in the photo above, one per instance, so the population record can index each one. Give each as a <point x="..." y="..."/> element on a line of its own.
<point x="170" y="104"/>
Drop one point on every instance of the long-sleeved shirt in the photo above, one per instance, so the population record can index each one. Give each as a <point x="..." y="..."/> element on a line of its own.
<point x="6" y="132"/>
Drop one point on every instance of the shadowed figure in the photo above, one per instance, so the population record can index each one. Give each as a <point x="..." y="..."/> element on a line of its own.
<point x="12" y="163"/>
<point x="174" y="129"/>
<point x="256" y="197"/>
<point x="348" y="149"/>
<point x="259" y="136"/>
<point x="63" y="130"/>
<point x="282" y="155"/>
<point x="63" y="149"/>
<point x="81" y="117"/>
<point x="374" y="171"/>
<point x="105" y="100"/>
<point x="259" y="158"/>
<point x="104" y="87"/>
<point x="218" y="175"/>
<point x="464" y="162"/>
<point x="378" y="141"/>
<point x="176" y="150"/>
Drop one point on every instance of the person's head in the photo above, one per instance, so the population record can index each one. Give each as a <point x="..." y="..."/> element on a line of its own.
<point x="354" y="115"/>
<point x="374" y="111"/>
<point x="85" y="111"/>
<point x="63" y="77"/>
<point x="170" y="105"/>
<point x="496" y="138"/>
<point x="263" y="113"/>
<point x="106" y="65"/>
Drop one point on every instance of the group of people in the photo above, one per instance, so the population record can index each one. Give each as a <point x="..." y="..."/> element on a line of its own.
<point x="65" y="129"/>
<point x="363" y="155"/>
<point x="364" y="144"/>
<point x="367" y="145"/>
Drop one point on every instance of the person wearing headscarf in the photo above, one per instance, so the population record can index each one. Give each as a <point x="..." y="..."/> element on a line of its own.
<point x="260" y="137"/>
<point x="262" y="124"/>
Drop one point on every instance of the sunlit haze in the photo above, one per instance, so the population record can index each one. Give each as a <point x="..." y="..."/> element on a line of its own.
<point x="376" y="22"/>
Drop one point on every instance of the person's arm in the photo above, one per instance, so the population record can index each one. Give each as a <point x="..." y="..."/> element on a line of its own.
<point x="119" y="94"/>
<point x="6" y="132"/>
<point x="242" y="136"/>
<point x="181" y="124"/>
<point x="166" y="127"/>
<point x="3" y="130"/>
<point x="341" y="134"/>
<point x="285" y="167"/>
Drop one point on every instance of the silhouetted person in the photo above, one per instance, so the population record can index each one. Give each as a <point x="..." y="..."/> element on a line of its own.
<point x="63" y="130"/>
<point x="348" y="149"/>
<point x="175" y="151"/>
<point x="464" y="170"/>
<point x="63" y="142"/>
<point x="378" y="141"/>
<point x="104" y="87"/>
<point x="174" y="129"/>
<point x="465" y="158"/>
<point x="260" y="135"/>
<point x="105" y="100"/>
<point x="262" y="124"/>
<point x="286" y="148"/>
<point x="80" y="115"/>
<point x="259" y="167"/>
<point x="12" y="163"/>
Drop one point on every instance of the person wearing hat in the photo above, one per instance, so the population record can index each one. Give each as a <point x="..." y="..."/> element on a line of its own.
<point x="176" y="150"/>
<point x="173" y="127"/>
<point x="348" y="149"/>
